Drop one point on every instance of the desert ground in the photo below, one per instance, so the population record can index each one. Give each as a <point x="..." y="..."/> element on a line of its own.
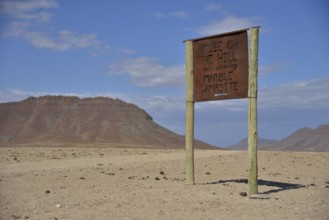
<point x="105" y="182"/>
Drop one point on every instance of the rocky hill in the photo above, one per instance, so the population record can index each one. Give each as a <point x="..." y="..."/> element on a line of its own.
<point x="304" y="139"/>
<point x="67" y="119"/>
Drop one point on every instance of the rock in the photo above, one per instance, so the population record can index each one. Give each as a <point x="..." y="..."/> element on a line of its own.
<point x="243" y="194"/>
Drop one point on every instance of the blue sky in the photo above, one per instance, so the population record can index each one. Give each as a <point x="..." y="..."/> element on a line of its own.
<point x="133" y="50"/>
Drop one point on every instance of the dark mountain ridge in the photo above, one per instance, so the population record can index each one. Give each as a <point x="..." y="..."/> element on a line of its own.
<point x="304" y="139"/>
<point x="241" y="145"/>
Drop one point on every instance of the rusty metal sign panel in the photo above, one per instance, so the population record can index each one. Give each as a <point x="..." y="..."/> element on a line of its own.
<point x="220" y="67"/>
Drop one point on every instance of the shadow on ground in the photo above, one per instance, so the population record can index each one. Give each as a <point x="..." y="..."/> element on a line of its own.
<point x="280" y="185"/>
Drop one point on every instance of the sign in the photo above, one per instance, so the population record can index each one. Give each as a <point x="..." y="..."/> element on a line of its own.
<point x="217" y="68"/>
<point x="220" y="67"/>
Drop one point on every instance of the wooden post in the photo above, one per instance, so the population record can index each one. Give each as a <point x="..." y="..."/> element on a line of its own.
<point x="252" y="112"/>
<point x="189" y="136"/>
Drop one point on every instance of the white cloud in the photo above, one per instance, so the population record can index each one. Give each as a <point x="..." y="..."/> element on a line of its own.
<point x="273" y="68"/>
<point x="78" y="40"/>
<point x="227" y="24"/>
<point x="62" y="41"/>
<point x="174" y="14"/>
<point x="16" y="7"/>
<point x="26" y="10"/>
<point x="312" y="94"/>
<point x="234" y="105"/>
<point x="26" y="21"/>
<point x="126" y="51"/>
<point x="308" y="95"/>
<point x="13" y="95"/>
<point x="16" y="29"/>
<point x="146" y="72"/>
<point x="41" y="40"/>
<point x="213" y="7"/>
<point x="152" y="102"/>
<point x="162" y="104"/>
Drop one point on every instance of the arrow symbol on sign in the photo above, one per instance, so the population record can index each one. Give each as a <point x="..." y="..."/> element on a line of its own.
<point x="220" y="94"/>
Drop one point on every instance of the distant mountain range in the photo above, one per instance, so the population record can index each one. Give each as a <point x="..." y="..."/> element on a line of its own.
<point x="69" y="119"/>
<point x="304" y="139"/>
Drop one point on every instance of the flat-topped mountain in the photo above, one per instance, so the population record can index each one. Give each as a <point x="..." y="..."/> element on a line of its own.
<point x="68" y="119"/>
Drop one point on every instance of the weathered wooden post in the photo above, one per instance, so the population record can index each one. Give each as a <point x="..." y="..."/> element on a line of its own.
<point x="189" y="136"/>
<point x="252" y="111"/>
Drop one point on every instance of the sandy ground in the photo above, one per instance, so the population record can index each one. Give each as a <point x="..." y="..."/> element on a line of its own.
<point x="123" y="183"/>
